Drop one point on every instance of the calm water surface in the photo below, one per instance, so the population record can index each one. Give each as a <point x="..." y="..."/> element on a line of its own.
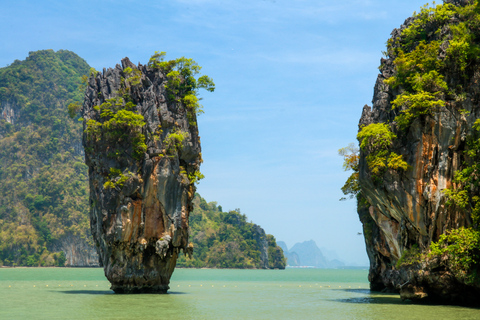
<point x="64" y="293"/>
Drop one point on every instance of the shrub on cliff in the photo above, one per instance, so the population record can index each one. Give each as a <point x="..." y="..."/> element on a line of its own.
<point x="461" y="247"/>
<point x="376" y="139"/>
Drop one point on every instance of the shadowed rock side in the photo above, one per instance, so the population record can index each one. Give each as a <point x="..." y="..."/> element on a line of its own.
<point x="406" y="209"/>
<point x="140" y="194"/>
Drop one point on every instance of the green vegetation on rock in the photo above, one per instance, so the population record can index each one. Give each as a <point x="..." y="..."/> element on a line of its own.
<point x="118" y="123"/>
<point x="461" y="247"/>
<point x="183" y="84"/>
<point x="226" y="240"/>
<point x="376" y="139"/>
<point x="441" y="40"/>
<point x="350" y="155"/>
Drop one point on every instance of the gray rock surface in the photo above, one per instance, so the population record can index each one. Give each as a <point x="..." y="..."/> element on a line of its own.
<point x="140" y="227"/>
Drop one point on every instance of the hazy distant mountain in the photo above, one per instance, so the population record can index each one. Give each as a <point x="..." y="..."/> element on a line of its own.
<point x="330" y="254"/>
<point x="307" y="253"/>
<point x="293" y="260"/>
<point x="282" y="245"/>
<point x="310" y="254"/>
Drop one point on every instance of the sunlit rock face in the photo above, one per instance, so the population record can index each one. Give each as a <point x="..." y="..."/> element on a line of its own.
<point x="405" y="209"/>
<point x="140" y="175"/>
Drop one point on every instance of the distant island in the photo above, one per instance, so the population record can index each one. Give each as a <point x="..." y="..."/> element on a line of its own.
<point x="308" y="254"/>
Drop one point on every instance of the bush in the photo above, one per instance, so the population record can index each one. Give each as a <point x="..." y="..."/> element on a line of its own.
<point x="376" y="139"/>
<point x="462" y="247"/>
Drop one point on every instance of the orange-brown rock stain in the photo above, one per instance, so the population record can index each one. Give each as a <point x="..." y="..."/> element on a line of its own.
<point x="135" y="221"/>
<point x="153" y="212"/>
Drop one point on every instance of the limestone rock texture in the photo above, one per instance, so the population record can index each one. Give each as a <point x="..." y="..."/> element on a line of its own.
<point x="406" y="209"/>
<point x="140" y="197"/>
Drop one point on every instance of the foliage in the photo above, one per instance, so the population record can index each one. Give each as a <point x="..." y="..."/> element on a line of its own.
<point x="417" y="30"/>
<point x="351" y="156"/>
<point x="441" y="39"/>
<point x="376" y="139"/>
<point x="174" y="141"/>
<point x="44" y="189"/>
<point x="462" y="247"/>
<point x="410" y="256"/>
<point x="414" y="105"/>
<point x="118" y="123"/>
<point x="195" y="177"/>
<point x="183" y="85"/>
<point x="116" y="179"/>
<point x="132" y="76"/>
<point x="226" y="240"/>
<point x="464" y="194"/>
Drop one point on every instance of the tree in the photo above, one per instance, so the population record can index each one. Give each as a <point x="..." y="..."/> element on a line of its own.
<point x="350" y="155"/>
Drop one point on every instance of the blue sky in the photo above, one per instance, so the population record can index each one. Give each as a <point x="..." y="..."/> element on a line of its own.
<point x="292" y="77"/>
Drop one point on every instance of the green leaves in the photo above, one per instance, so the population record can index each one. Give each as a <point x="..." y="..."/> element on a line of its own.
<point x="416" y="31"/>
<point x="376" y="140"/>
<point x="174" y="141"/>
<point x="350" y="155"/>
<point x="118" y="122"/>
<point x="462" y="247"/>
<point x="376" y="137"/>
<point x="413" y="105"/>
<point x="464" y="193"/>
<point x="156" y="59"/>
<point x="462" y="48"/>
<point x="182" y="84"/>
<point x="421" y="59"/>
<point x="116" y="179"/>
<point x="205" y="82"/>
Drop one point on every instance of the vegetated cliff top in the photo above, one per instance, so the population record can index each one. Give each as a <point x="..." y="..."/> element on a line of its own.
<point x="43" y="193"/>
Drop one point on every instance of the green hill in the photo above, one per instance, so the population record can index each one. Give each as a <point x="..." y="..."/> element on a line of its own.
<point x="43" y="190"/>
<point x="226" y="240"/>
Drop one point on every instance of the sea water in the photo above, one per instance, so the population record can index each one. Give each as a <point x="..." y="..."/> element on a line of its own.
<point x="78" y="293"/>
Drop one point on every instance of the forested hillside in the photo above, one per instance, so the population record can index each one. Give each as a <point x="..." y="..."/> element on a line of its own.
<point x="226" y="240"/>
<point x="43" y="189"/>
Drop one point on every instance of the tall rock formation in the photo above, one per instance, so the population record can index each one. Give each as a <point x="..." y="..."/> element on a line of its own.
<point x="143" y="153"/>
<point x="414" y="140"/>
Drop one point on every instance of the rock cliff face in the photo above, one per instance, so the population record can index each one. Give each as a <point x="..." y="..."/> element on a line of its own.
<point x="78" y="252"/>
<point x="406" y="210"/>
<point x="143" y="152"/>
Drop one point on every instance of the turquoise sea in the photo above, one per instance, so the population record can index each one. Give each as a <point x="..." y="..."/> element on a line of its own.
<point x="78" y="293"/>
